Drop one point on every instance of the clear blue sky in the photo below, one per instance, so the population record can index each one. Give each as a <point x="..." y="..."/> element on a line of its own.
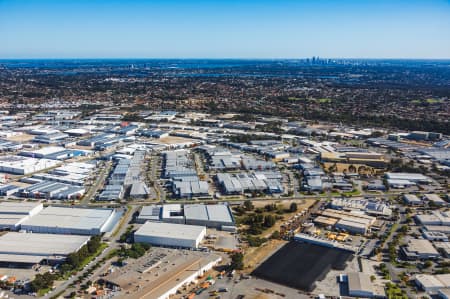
<point x="224" y="29"/>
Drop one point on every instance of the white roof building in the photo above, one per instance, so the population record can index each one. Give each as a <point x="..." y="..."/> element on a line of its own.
<point x="24" y="165"/>
<point x="78" y="221"/>
<point x="23" y="248"/>
<point x="13" y="214"/>
<point x="170" y="234"/>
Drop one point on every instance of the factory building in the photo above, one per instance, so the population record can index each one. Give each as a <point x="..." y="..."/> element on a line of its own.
<point x="269" y="182"/>
<point x="434" y="199"/>
<point x="70" y="221"/>
<point x="26" y="249"/>
<point x="179" y="168"/>
<point x="172" y="213"/>
<point x="347" y="221"/>
<point x="359" y="285"/>
<point x="435" y="218"/>
<point x="432" y="283"/>
<point x="208" y="215"/>
<point x="214" y="215"/>
<point x="24" y="165"/>
<point x="52" y="190"/>
<point x="149" y="213"/>
<point x="416" y="178"/>
<point x="419" y="249"/>
<point x="170" y="234"/>
<point x="412" y="200"/>
<point x="13" y="214"/>
<point x="126" y="176"/>
<point x="370" y="207"/>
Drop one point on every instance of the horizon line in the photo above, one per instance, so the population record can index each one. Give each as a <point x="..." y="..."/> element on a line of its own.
<point x="222" y="58"/>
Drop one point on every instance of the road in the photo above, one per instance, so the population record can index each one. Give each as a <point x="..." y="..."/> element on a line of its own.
<point x="101" y="177"/>
<point x="112" y="245"/>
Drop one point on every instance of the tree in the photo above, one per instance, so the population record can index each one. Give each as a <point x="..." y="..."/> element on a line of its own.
<point x="248" y="205"/>
<point x="269" y="221"/>
<point x="276" y="235"/>
<point x="293" y="207"/>
<point x="237" y="261"/>
<point x="427" y="264"/>
<point x="372" y="278"/>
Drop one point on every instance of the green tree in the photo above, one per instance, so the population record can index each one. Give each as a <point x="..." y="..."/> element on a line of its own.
<point x="293" y="207"/>
<point x="269" y="221"/>
<point x="237" y="261"/>
<point x="248" y="205"/>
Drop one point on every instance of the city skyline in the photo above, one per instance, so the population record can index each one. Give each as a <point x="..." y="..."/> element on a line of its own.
<point x="224" y="29"/>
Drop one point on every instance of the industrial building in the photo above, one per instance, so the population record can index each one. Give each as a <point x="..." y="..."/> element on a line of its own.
<point x="434" y="199"/>
<point x="359" y="285"/>
<point x="408" y="178"/>
<point x="149" y="213"/>
<point x="370" y="207"/>
<point x="351" y="222"/>
<point x="170" y="234"/>
<point x="371" y="159"/>
<point x="269" y="182"/>
<point x="70" y="221"/>
<point x="435" y="218"/>
<point x="432" y="283"/>
<point x="208" y="215"/>
<point x="160" y="282"/>
<point x="28" y="249"/>
<point x="179" y="168"/>
<point x="52" y="190"/>
<point x="412" y="200"/>
<point x="13" y="214"/>
<point x="214" y="215"/>
<point x="419" y="249"/>
<point x="125" y="176"/>
<point x="24" y="165"/>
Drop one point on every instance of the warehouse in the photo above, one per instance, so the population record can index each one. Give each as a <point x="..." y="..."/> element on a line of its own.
<point x="42" y="152"/>
<point x="435" y="218"/>
<point x="208" y="215"/>
<point x="24" y="165"/>
<point x="172" y="213"/>
<point x="371" y="207"/>
<point x="8" y="190"/>
<point x="359" y="285"/>
<point x="269" y="182"/>
<point x="179" y="271"/>
<point x="111" y="193"/>
<point x="12" y="214"/>
<point x="419" y="249"/>
<point x="351" y="222"/>
<point x="26" y="250"/>
<point x="52" y="190"/>
<point x="432" y="283"/>
<point x="170" y="234"/>
<point x="189" y="189"/>
<point x="434" y="199"/>
<point x="411" y="177"/>
<point x="149" y="213"/>
<point x="76" y="221"/>
<point x="412" y="200"/>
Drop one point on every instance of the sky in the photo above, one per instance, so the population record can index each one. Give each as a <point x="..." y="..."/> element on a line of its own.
<point x="224" y="29"/>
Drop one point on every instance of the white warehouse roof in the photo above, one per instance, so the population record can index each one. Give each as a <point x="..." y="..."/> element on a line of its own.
<point x="58" y="220"/>
<point x="170" y="234"/>
<point x="33" y="248"/>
